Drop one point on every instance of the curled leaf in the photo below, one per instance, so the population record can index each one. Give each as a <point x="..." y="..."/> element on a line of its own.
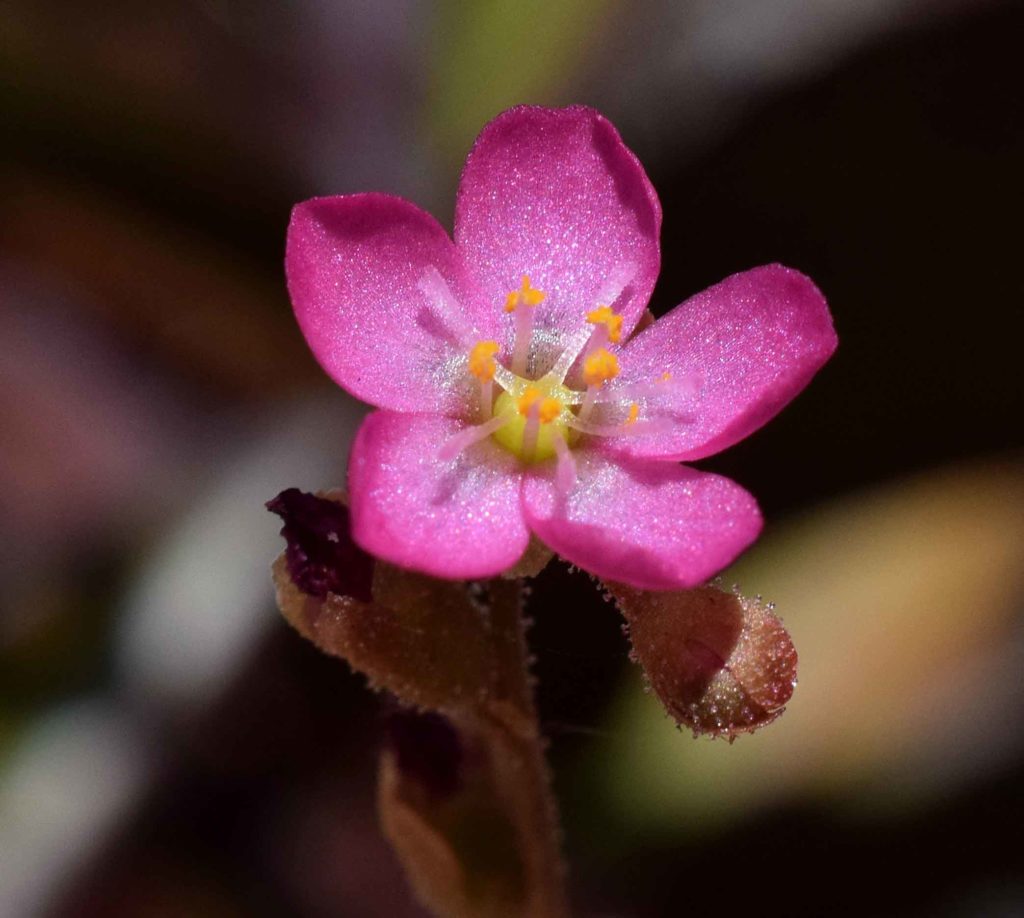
<point x="721" y="663"/>
<point x="321" y="556"/>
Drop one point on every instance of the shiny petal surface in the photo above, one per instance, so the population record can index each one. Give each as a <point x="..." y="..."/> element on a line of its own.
<point x="556" y="195"/>
<point x="457" y="518"/>
<point x="356" y="268"/>
<point x="648" y="524"/>
<point x="749" y="344"/>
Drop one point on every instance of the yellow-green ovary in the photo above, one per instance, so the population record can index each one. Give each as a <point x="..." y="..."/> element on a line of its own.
<point x="510" y="436"/>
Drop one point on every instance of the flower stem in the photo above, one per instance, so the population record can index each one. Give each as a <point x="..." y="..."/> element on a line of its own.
<point x="465" y="799"/>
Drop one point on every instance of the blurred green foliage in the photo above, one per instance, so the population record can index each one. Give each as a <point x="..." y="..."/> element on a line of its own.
<point x="493" y="54"/>
<point x="903" y="603"/>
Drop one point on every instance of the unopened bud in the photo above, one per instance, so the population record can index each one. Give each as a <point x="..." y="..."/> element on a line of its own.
<point x="721" y="663"/>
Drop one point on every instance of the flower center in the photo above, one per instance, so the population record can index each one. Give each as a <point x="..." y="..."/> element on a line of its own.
<point x="534" y="419"/>
<point x="540" y="419"/>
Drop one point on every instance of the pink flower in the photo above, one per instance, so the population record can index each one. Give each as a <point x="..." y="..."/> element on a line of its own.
<point x="512" y="399"/>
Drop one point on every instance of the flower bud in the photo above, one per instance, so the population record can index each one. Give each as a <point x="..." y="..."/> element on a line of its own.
<point x="721" y="663"/>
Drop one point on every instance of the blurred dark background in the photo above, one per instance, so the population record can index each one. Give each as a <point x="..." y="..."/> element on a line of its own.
<point x="169" y="747"/>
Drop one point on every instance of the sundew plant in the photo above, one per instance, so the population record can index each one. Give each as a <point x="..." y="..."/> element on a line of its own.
<point x="528" y="406"/>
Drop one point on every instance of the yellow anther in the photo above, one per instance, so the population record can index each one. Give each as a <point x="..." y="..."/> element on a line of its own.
<point x="599" y="367"/>
<point x="481" y="360"/>
<point x="603" y="315"/>
<point x="634" y="413"/>
<point x="525" y="295"/>
<point x="550" y="409"/>
<point x="526" y="400"/>
<point x="665" y="377"/>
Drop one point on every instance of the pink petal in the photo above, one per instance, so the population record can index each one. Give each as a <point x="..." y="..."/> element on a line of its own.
<point x="459" y="519"/>
<point x="652" y="525"/>
<point x="355" y="265"/>
<point x="749" y="344"/>
<point x="556" y="195"/>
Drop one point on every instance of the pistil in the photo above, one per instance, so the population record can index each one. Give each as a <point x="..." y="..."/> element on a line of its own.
<point x="607" y="327"/>
<point x="538" y="410"/>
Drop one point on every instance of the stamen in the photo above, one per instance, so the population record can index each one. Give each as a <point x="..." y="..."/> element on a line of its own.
<point x="524" y="296"/>
<point x="600" y="367"/>
<point x="523" y="303"/>
<point x="470" y="435"/>
<point x="531" y="431"/>
<point x="605" y="319"/>
<point x="538" y="410"/>
<point x="482" y="365"/>
<point x="634" y="413"/>
<point x="524" y="335"/>
<point x="527" y="399"/>
<point x="549" y="410"/>
<point x="481" y="360"/>
<point x="444" y="304"/>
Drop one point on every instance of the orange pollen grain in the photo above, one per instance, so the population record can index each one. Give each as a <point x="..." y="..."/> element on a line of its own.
<point x="634" y="413"/>
<point x="601" y="366"/>
<point x="525" y="295"/>
<point x="603" y="315"/>
<point x="481" y="360"/>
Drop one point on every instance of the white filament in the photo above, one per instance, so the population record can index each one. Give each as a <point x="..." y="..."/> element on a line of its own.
<point x="524" y="337"/>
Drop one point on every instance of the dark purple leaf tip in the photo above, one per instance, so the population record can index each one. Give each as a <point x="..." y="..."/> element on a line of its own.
<point x="321" y="556"/>
<point x="427" y="750"/>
